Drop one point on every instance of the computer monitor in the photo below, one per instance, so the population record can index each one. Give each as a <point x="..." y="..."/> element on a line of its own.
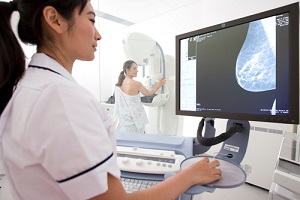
<point x="245" y="69"/>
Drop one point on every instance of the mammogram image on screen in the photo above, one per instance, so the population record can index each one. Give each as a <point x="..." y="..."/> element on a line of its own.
<point x="256" y="62"/>
<point x="237" y="69"/>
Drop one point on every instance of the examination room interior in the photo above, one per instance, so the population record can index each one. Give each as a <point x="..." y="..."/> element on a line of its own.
<point x="163" y="20"/>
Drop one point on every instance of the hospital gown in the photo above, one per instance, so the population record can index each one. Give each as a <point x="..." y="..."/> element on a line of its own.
<point x="129" y="112"/>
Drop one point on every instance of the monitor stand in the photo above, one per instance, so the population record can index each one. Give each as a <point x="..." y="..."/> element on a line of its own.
<point x="235" y="142"/>
<point x="235" y="139"/>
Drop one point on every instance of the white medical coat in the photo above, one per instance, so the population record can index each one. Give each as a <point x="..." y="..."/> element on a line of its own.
<point x="56" y="140"/>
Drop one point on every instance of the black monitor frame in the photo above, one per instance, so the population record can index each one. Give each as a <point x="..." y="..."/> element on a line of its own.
<point x="293" y="117"/>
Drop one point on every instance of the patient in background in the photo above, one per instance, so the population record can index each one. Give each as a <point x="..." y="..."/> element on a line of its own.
<point x="128" y="106"/>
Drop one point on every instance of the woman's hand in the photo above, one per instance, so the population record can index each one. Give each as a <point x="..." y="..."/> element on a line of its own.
<point x="162" y="82"/>
<point x="204" y="172"/>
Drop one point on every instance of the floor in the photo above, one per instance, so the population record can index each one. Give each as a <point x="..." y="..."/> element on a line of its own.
<point x="244" y="192"/>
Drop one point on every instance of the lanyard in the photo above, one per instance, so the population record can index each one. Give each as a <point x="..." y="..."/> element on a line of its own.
<point x="44" y="68"/>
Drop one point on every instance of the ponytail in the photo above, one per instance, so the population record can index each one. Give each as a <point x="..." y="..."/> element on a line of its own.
<point x="12" y="58"/>
<point x="126" y="66"/>
<point x="120" y="79"/>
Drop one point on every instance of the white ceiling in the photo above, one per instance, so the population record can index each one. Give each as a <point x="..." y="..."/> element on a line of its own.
<point x="129" y="12"/>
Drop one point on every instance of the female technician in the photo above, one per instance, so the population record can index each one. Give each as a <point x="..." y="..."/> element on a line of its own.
<point x="56" y="142"/>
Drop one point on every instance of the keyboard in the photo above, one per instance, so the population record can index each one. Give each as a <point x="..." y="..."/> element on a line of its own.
<point x="131" y="185"/>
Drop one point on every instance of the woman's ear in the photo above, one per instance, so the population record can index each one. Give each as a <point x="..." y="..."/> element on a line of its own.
<point x="54" y="19"/>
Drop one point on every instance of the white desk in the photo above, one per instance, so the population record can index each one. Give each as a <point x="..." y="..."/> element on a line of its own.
<point x="109" y="108"/>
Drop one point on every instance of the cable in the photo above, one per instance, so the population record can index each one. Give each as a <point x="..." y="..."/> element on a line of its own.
<point x="221" y="138"/>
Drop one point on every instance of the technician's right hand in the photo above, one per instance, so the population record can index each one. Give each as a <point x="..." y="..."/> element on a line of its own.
<point x="204" y="172"/>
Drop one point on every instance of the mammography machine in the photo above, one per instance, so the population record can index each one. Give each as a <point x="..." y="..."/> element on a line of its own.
<point x="151" y="56"/>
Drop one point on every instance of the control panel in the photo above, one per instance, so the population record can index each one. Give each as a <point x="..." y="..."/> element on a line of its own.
<point x="149" y="161"/>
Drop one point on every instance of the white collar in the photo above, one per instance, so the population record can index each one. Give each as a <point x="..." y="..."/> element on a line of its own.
<point x="42" y="60"/>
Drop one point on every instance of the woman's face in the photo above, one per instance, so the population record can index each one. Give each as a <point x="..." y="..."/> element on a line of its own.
<point x="133" y="70"/>
<point x="80" y="41"/>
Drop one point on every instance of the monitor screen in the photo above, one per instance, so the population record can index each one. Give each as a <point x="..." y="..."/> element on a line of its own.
<point x="245" y="69"/>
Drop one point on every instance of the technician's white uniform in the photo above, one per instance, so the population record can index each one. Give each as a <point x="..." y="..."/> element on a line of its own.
<point x="56" y="141"/>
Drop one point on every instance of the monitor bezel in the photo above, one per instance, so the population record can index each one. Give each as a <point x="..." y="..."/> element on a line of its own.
<point x="293" y="117"/>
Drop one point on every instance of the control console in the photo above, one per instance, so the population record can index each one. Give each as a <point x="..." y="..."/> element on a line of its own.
<point x="149" y="161"/>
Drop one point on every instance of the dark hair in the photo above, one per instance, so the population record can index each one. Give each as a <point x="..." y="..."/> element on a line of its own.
<point x="127" y="64"/>
<point x="12" y="57"/>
